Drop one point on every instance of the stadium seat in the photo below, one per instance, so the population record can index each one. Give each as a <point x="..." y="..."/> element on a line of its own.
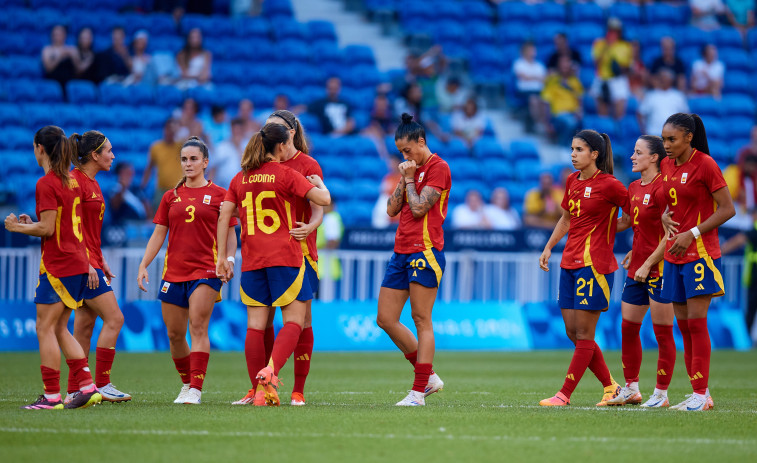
<point x="488" y="147"/>
<point x="586" y="35"/>
<point x="454" y="149"/>
<point x="728" y="37"/>
<point x="132" y="95"/>
<point x="498" y="171"/>
<point x="16" y="138"/>
<point x="71" y="115"/>
<point x="705" y="106"/>
<point x="48" y="91"/>
<point x="39" y="115"/>
<point x="365" y="190"/>
<point x="523" y="149"/>
<point x="359" y="54"/>
<point x="738" y="127"/>
<point x="587" y="13"/>
<point x="248" y="28"/>
<point x="720" y="151"/>
<point x="736" y="59"/>
<point x="714" y="127"/>
<point x="450" y="11"/>
<point x="22" y="67"/>
<point x="514" y="12"/>
<point x="322" y="30"/>
<point x="737" y="83"/>
<point x="211" y="26"/>
<point x="81" y="92"/>
<point x="333" y="166"/>
<point x="626" y="12"/>
<point x="662" y="13"/>
<point x="513" y="34"/>
<point x="465" y="170"/>
<point x="602" y="124"/>
<point x="168" y="95"/>
<point x="10" y="115"/>
<point x="738" y="105"/>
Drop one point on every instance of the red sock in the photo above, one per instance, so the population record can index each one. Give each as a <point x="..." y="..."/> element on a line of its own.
<point x="72" y="384"/>
<point x="683" y="325"/>
<point x="284" y="345"/>
<point x="422" y="372"/>
<point x="103" y="363"/>
<point x="198" y="362"/>
<point x="598" y="366"/>
<point x="631" y="350"/>
<point x="82" y="375"/>
<point x="412" y="357"/>
<point x="182" y="366"/>
<point x="582" y="356"/>
<point x="51" y="380"/>
<point x="666" y="359"/>
<point x="302" y="354"/>
<point x="254" y="353"/>
<point x="269" y="339"/>
<point x="700" y="354"/>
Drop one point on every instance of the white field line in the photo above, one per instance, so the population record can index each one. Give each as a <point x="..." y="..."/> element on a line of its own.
<point x="442" y="434"/>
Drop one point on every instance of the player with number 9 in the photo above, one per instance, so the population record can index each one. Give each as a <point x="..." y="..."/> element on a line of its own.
<point x="264" y="195"/>
<point x="188" y="214"/>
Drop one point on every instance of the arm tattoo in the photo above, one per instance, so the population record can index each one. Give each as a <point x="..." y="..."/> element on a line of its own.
<point x="421" y="204"/>
<point x="394" y="203"/>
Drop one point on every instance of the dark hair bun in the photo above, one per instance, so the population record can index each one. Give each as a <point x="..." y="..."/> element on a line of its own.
<point x="194" y="137"/>
<point x="407" y="118"/>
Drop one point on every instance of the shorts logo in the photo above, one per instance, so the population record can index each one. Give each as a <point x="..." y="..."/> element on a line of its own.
<point x="107" y="281"/>
<point x="699" y="287"/>
<point x="587" y="192"/>
<point x="206" y="199"/>
<point x="683" y="177"/>
<point x="646" y="199"/>
<point x="165" y="287"/>
<point x="584" y="302"/>
<point x="420" y="177"/>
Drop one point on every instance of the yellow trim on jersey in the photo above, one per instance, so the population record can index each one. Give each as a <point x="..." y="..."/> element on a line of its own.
<point x="660" y="266"/>
<point x="248" y="301"/>
<point x="609" y="224"/>
<point x="289" y="214"/>
<point x="587" y="246"/>
<point x="304" y="246"/>
<point x="215" y="252"/>
<point x="165" y="265"/>
<point x="441" y="203"/>
<point x="426" y="236"/>
<point x="313" y="264"/>
<point x="291" y="293"/>
<point x="60" y="289"/>
<point x="602" y="281"/>
<point x="57" y="224"/>
<point x="434" y="264"/>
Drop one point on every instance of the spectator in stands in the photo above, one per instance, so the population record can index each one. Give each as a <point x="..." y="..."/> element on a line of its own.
<point x="382" y="123"/>
<point x="217" y="126"/>
<point x="85" y="56"/>
<point x="58" y="59"/>
<point x="114" y="64"/>
<point x="245" y="112"/>
<point x="379" y="217"/>
<point x="563" y="92"/>
<point x="529" y="81"/>
<point x="140" y="59"/>
<point x="742" y="176"/>
<point x="194" y="61"/>
<point x="334" y="113"/>
<point x="660" y="103"/>
<point x="705" y="13"/>
<point x="612" y="58"/>
<point x="424" y="70"/>
<point x="411" y="102"/>
<point x="668" y="59"/>
<point x="638" y="76"/>
<point x="227" y="157"/>
<point x="707" y="73"/>
<point x="127" y="201"/>
<point x="468" y="123"/>
<point x="164" y="156"/>
<point x="740" y="14"/>
<point x="499" y="213"/>
<point x="470" y="214"/>
<point x="541" y="206"/>
<point x="562" y="48"/>
<point x="189" y="124"/>
<point x="450" y="94"/>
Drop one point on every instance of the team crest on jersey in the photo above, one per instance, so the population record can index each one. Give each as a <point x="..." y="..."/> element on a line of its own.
<point x="683" y="177"/>
<point x="206" y="199"/>
<point x="646" y="199"/>
<point x="165" y="287"/>
<point x="587" y="192"/>
<point x="420" y="177"/>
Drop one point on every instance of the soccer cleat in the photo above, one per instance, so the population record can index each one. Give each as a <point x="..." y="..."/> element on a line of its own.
<point x="259" y="397"/>
<point x="85" y="399"/>
<point x="43" y="403"/>
<point x="682" y="404"/>
<point x="413" y="399"/>
<point x="435" y="384"/>
<point x="270" y="383"/>
<point x="611" y="391"/>
<point x="192" y="397"/>
<point x="298" y="399"/>
<point x="656" y="401"/>
<point x="626" y="396"/>
<point x="559" y="400"/>
<point x="695" y="403"/>
<point x="247" y="399"/>
<point x="710" y="402"/>
<point x="111" y="394"/>
<point x="182" y="393"/>
<point x="70" y="396"/>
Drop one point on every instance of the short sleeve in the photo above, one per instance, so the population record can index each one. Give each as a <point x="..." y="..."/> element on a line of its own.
<point x="713" y="177"/>
<point x="618" y="194"/>
<point x="298" y="184"/>
<point x="161" y="216"/>
<point x="314" y="169"/>
<point x="439" y="177"/>
<point x="47" y="197"/>
<point x="564" y="203"/>
<point x="231" y="193"/>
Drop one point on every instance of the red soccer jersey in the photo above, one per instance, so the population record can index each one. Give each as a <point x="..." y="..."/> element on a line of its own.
<point x="192" y="221"/>
<point x="688" y="190"/>
<point x="265" y="198"/>
<point x="417" y="235"/>
<point x="647" y="205"/>
<point x="305" y="165"/>
<point x="92" y="213"/>
<point x="64" y="253"/>
<point x="593" y="205"/>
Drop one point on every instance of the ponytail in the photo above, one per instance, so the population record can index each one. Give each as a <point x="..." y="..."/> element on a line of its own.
<point x="691" y="123"/>
<point x="261" y="146"/>
<point x="409" y="129"/>
<point x="198" y="143"/>
<point x="601" y="144"/>
<point x="606" y="162"/>
<point x="655" y="146"/>
<point x="292" y="123"/>
<point x="59" y="150"/>
<point x="84" y="145"/>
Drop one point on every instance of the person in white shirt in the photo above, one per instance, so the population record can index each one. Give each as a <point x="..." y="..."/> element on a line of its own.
<point x="529" y="81"/>
<point x="707" y="73"/>
<point x="661" y="102"/>
<point x="470" y="215"/>
<point x="450" y="94"/>
<point x="499" y="213"/>
<point x="704" y="13"/>
<point x="227" y="157"/>
<point x="468" y="123"/>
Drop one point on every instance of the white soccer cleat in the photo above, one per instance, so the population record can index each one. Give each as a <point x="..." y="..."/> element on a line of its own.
<point x="656" y="400"/>
<point x="182" y="394"/>
<point x="70" y="396"/>
<point x="111" y="394"/>
<point x="192" y="397"/>
<point x="627" y="396"/>
<point x="413" y="399"/>
<point x="695" y="403"/>
<point x="435" y="384"/>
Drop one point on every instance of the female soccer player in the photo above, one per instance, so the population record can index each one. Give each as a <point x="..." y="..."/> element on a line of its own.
<point x="416" y="267"/>
<point x="264" y="195"/>
<point x="189" y="214"/>
<point x="644" y="281"/>
<point x="63" y="269"/>
<point x="699" y="200"/>
<point x="590" y="207"/>
<point x="308" y="216"/>
<point x="95" y="154"/>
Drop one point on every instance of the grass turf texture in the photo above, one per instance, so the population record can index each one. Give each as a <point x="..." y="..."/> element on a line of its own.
<point x="488" y="412"/>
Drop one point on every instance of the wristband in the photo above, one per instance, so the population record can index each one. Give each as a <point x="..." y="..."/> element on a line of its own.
<point x="409" y="181"/>
<point x="695" y="231"/>
<point x="232" y="260"/>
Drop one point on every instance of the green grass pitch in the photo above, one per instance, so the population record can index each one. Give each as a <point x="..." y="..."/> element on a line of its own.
<point x="488" y="411"/>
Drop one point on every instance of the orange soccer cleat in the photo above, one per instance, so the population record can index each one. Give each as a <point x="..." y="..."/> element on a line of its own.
<point x="559" y="400"/>
<point x="270" y="382"/>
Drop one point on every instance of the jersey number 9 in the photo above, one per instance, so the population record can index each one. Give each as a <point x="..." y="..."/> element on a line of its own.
<point x="674" y="196"/>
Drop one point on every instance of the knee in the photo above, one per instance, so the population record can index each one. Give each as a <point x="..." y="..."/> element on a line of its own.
<point x="115" y="322"/>
<point x="422" y="321"/>
<point x="384" y="322"/>
<point x="198" y="327"/>
<point x="584" y="335"/>
<point x="176" y="336"/>
<point x="571" y="335"/>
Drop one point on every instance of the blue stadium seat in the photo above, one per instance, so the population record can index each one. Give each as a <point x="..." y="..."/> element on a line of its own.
<point x="359" y="54"/>
<point x="17" y="138"/>
<point x="22" y="67"/>
<point x="277" y="8"/>
<point x="310" y="123"/>
<point x="545" y="34"/>
<point x="248" y="28"/>
<point x="167" y="43"/>
<point x="294" y="50"/>
<point x="465" y="170"/>
<point x="489" y="147"/>
<point x="39" y="115"/>
<point x="454" y="149"/>
<point x="513" y="34"/>
<point x="23" y="45"/>
<point x="47" y="91"/>
<point x="738" y="105"/>
<point x="289" y="29"/>
<point x="334" y="167"/>
<point x="587" y="13"/>
<point x="652" y="34"/>
<point x="737" y="83"/>
<point x="626" y="12"/>
<point x="523" y="149"/>
<point x="628" y="130"/>
<point x="751" y="39"/>
<point x="728" y="37"/>
<point x="224" y="95"/>
<point x="528" y="170"/>
<point x="720" y="151"/>
<point x="513" y="12"/>
<point x="479" y="10"/>
<point x="705" y="106"/>
<point x="71" y="115"/>
<point x="365" y="190"/>
<point x="81" y="92"/>
<point x="736" y="59"/>
<point x="168" y="95"/>
<point x="714" y="128"/>
<point x="550" y="12"/>
<point x="586" y="35"/>
<point x="480" y="32"/>
<point x="450" y="32"/>
<point x="322" y="30"/>
<point x="359" y="212"/>
<point x="738" y="126"/>
<point x="498" y="171"/>
<point x="161" y="24"/>
<point x="691" y="36"/>
<point x="662" y="13"/>
<point x="10" y="115"/>
<point x="211" y="26"/>
<point x="602" y="124"/>
<point x="131" y="95"/>
<point x="450" y="11"/>
<point x="100" y="116"/>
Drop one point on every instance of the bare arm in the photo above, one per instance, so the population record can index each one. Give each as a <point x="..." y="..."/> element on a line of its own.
<point x="421" y="203"/>
<point x="224" y="269"/>
<point x="624" y="222"/>
<point x="151" y="250"/>
<point x="643" y="272"/>
<point x="396" y="200"/>
<point x="44" y="228"/>
<point x="319" y="195"/>
<point x="561" y="229"/>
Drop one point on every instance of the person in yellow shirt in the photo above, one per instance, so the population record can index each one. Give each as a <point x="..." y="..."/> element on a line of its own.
<point x="164" y="156"/>
<point x="541" y="206"/>
<point x="612" y="57"/>
<point x="562" y="92"/>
